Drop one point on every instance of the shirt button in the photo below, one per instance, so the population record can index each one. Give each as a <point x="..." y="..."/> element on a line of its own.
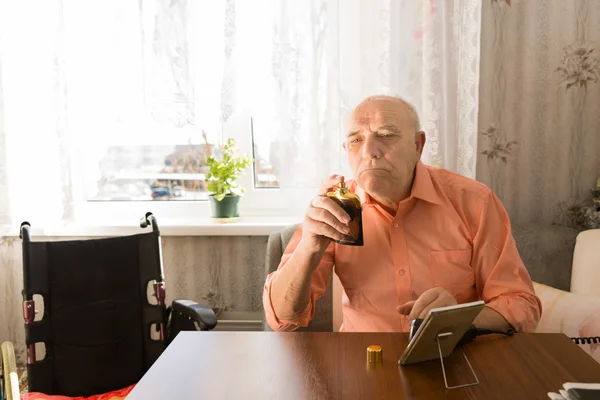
<point x="402" y="272"/>
<point x="395" y="225"/>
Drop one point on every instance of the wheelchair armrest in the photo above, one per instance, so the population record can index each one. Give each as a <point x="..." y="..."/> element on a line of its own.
<point x="204" y="316"/>
<point x="10" y="380"/>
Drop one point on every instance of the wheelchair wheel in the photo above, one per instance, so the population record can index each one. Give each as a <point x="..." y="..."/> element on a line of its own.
<point x="8" y="373"/>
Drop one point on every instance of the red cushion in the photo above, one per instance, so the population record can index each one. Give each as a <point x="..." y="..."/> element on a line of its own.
<point x="114" y="395"/>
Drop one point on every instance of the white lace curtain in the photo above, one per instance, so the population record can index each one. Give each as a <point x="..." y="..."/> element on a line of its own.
<point x="329" y="55"/>
<point x="75" y="76"/>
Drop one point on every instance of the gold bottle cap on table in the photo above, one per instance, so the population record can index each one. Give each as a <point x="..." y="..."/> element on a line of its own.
<point x="374" y="354"/>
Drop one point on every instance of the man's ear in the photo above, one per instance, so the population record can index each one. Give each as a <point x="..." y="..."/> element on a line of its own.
<point x="344" y="145"/>
<point x="420" y="142"/>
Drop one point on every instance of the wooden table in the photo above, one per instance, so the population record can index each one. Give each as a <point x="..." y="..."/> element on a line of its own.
<point x="303" y="365"/>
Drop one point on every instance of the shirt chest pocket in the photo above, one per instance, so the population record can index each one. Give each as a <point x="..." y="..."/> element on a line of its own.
<point x="451" y="269"/>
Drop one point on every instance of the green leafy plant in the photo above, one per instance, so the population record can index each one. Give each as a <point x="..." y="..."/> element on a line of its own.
<point x="596" y="192"/>
<point x="223" y="173"/>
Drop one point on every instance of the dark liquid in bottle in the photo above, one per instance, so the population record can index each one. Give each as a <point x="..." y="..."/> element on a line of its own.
<point x="355" y="223"/>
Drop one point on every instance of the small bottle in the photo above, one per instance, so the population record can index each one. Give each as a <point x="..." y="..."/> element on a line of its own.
<point x="350" y="202"/>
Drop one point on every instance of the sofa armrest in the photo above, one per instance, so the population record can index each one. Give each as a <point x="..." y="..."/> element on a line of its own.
<point x="575" y="315"/>
<point x="585" y="273"/>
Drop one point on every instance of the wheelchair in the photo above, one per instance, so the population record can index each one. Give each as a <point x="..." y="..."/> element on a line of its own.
<point x="100" y="326"/>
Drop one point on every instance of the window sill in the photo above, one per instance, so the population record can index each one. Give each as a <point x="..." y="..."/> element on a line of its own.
<point x="243" y="226"/>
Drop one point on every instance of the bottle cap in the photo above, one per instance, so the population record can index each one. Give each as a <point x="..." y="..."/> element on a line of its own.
<point x="342" y="193"/>
<point x="374" y="354"/>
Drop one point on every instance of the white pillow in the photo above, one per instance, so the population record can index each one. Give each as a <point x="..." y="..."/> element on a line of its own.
<point x="575" y="315"/>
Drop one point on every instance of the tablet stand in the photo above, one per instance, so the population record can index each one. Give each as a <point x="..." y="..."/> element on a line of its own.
<point x="443" y="335"/>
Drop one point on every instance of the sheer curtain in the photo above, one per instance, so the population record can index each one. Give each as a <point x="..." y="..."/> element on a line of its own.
<point x="4" y="203"/>
<point x="329" y="55"/>
<point x="78" y="77"/>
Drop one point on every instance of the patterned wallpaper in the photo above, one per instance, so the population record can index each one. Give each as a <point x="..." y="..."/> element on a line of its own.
<point x="539" y="125"/>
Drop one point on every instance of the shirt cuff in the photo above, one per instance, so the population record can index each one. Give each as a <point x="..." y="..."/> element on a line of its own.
<point x="521" y="311"/>
<point x="277" y="324"/>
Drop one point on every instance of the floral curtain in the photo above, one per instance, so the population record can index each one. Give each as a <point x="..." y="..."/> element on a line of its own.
<point x="538" y="118"/>
<point x="538" y="124"/>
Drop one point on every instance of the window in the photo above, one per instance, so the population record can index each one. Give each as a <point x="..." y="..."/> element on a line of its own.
<point x="155" y="171"/>
<point x="145" y="82"/>
<point x="152" y="91"/>
<point x="172" y="171"/>
<point x="265" y="171"/>
<point x="113" y="105"/>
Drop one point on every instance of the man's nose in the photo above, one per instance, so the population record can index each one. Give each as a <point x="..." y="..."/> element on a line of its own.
<point x="371" y="148"/>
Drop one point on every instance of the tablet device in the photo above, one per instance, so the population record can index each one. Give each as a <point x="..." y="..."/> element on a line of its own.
<point x="582" y="391"/>
<point x="456" y="319"/>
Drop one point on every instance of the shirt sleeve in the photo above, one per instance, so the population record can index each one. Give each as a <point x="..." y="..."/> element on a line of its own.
<point x="318" y="286"/>
<point x="502" y="280"/>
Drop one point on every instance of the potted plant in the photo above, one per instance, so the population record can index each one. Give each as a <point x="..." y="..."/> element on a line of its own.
<point x="221" y="178"/>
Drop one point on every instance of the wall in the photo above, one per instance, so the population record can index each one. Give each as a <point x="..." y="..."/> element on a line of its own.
<point x="539" y="122"/>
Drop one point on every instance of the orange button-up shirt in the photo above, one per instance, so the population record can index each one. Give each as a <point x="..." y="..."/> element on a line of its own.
<point x="451" y="232"/>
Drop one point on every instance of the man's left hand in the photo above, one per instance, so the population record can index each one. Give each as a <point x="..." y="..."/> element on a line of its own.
<point x="432" y="298"/>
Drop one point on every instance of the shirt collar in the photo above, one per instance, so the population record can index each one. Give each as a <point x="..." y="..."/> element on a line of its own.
<point x="422" y="187"/>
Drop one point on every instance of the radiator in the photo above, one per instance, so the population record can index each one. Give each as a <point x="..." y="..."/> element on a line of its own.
<point x="239" y="321"/>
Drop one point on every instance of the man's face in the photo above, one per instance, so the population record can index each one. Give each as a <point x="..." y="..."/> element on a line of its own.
<point x="382" y="147"/>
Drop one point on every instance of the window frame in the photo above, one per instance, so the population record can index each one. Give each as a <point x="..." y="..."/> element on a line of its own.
<point x="257" y="202"/>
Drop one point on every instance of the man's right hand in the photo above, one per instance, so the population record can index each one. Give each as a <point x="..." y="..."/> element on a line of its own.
<point x="325" y="219"/>
<point x="291" y="285"/>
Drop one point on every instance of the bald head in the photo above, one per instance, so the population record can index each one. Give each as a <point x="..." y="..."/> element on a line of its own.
<point x="389" y="104"/>
<point x="384" y="144"/>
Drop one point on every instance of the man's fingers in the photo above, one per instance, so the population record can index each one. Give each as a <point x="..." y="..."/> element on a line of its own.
<point x="323" y="229"/>
<point x="327" y="204"/>
<point x="422" y="302"/>
<point x="405" y="308"/>
<point x="439" y="302"/>
<point x="432" y="298"/>
<point x="325" y="219"/>
<point x="426" y="310"/>
<point x="329" y="183"/>
<point x="321" y="216"/>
